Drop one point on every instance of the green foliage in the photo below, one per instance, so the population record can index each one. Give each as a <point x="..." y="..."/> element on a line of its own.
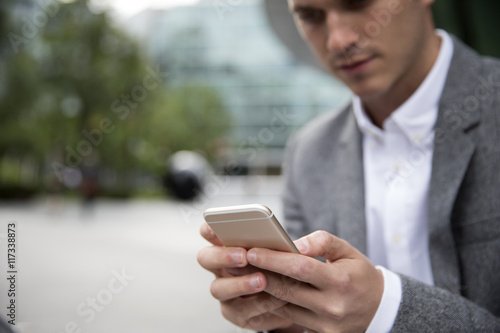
<point x="188" y="111"/>
<point x="474" y="22"/>
<point x="81" y="93"/>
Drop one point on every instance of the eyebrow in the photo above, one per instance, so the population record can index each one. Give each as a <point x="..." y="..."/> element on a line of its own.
<point x="300" y="8"/>
<point x="297" y="6"/>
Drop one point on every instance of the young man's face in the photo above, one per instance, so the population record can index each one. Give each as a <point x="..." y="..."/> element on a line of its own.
<point x="370" y="45"/>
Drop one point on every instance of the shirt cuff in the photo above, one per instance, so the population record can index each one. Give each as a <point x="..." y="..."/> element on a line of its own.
<point x="389" y="304"/>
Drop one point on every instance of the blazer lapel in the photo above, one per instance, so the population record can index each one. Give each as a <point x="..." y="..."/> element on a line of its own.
<point x="348" y="189"/>
<point x="453" y="150"/>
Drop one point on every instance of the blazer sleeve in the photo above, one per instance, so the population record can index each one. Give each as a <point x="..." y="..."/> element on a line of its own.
<point x="427" y="309"/>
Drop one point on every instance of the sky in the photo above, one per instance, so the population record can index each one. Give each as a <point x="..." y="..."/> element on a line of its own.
<point x="128" y="8"/>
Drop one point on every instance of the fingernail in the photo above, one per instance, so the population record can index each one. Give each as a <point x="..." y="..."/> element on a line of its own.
<point x="302" y="245"/>
<point x="255" y="281"/>
<point x="237" y="257"/>
<point x="251" y="256"/>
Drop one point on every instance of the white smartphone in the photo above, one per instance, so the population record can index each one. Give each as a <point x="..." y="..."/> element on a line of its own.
<point x="249" y="226"/>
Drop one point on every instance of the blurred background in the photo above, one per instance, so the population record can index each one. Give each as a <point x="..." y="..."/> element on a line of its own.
<point x="121" y="121"/>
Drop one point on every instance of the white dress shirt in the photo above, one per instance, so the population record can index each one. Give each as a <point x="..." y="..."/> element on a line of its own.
<point x="397" y="163"/>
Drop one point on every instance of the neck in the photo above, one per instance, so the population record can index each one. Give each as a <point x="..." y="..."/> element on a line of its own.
<point x="379" y="108"/>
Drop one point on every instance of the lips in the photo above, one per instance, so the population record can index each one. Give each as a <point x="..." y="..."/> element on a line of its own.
<point x="357" y="66"/>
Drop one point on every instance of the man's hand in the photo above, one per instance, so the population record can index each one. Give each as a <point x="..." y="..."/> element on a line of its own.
<point x="341" y="295"/>
<point x="239" y="286"/>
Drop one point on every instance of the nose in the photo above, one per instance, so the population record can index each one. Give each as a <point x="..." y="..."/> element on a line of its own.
<point x="341" y="35"/>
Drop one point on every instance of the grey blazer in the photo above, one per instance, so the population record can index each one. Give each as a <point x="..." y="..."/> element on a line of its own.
<point x="325" y="191"/>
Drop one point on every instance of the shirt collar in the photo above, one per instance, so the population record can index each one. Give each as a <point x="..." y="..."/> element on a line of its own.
<point x="417" y="115"/>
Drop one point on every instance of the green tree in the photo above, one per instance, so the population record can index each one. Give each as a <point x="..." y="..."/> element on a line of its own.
<point x="474" y="22"/>
<point x="194" y="118"/>
<point x="81" y="92"/>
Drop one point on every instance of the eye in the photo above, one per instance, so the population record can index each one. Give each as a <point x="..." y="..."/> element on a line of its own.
<point x="311" y="16"/>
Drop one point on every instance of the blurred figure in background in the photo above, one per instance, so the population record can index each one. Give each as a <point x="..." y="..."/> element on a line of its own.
<point x="187" y="173"/>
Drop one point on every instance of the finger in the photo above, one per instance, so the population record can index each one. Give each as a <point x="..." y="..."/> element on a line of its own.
<point x="254" y="312"/>
<point x="207" y="233"/>
<point x="326" y="245"/>
<point x="292" y="291"/>
<point x="231" y="287"/>
<point x="266" y="322"/>
<point x="240" y="271"/>
<point x="296" y="266"/>
<point x="300" y="316"/>
<point x="213" y="258"/>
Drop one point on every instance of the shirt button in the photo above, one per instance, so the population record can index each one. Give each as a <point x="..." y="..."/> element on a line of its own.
<point x="396" y="239"/>
<point x="398" y="165"/>
<point x="417" y="138"/>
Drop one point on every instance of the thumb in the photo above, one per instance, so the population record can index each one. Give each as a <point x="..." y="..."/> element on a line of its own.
<point x="207" y="233"/>
<point x="326" y="245"/>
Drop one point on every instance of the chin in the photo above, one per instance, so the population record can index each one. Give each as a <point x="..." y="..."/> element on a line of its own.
<point x="364" y="86"/>
<point x="366" y="92"/>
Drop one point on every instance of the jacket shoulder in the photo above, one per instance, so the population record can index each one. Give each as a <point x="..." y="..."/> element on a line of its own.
<point x="323" y="126"/>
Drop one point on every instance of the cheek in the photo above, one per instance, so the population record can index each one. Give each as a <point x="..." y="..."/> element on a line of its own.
<point x="313" y="38"/>
<point x="317" y="43"/>
<point x="404" y="46"/>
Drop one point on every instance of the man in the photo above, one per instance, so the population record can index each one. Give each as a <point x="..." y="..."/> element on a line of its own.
<point x="408" y="174"/>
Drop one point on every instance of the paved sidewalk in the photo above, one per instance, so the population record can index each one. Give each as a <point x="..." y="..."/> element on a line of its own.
<point x="120" y="266"/>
